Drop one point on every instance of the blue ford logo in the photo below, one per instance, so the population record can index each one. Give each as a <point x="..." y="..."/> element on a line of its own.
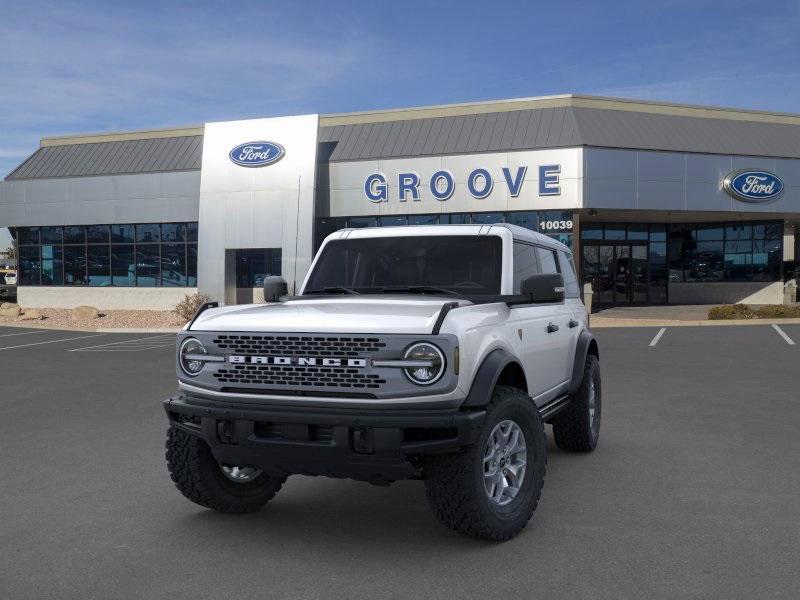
<point x="257" y="154"/>
<point x="753" y="186"/>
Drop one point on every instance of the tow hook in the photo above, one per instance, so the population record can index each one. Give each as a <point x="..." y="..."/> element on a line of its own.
<point x="225" y="431"/>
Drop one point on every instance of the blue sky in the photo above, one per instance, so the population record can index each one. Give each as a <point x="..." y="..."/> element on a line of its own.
<point x="74" y="67"/>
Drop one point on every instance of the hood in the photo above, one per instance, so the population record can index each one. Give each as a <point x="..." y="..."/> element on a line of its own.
<point x="342" y="314"/>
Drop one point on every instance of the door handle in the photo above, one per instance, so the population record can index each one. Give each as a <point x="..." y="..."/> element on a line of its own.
<point x="572" y="323"/>
<point x="552" y="328"/>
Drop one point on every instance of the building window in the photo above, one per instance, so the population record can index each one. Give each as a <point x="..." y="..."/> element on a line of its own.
<point x="557" y="224"/>
<point x="144" y="255"/>
<point x="148" y="265"/>
<point x="98" y="260"/>
<point x="52" y="264"/>
<point x="359" y="222"/>
<point x="123" y="264"/>
<point x="75" y="265"/>
<point x="528" y="219"/>
<point x="253" y="265"/>
<point x="173" y="265"/>
<point x="30" y="263"/>
<point x="726" y="252"/>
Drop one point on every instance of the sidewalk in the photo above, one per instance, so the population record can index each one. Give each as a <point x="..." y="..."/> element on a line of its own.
<point x="672" y="316"/>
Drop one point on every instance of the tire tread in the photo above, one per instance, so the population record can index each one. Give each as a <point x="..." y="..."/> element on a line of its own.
<point x="571" y="429"/>
<point x="185" y="454"/>
<point x="448" y="485"/>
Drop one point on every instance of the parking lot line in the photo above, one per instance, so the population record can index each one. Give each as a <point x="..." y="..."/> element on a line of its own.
<point x="83" y="337"/>
<point x="782" y="333"/>
<point x="658" y="337"/>
<point x="130" y="345"/>
<point x="23" y="333"/>
<point x="136" y="348"/>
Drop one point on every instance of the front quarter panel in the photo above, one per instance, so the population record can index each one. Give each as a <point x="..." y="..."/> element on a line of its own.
<point x="480" y="329"/>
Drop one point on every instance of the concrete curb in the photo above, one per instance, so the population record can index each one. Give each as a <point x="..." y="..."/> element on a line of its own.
<point x="600" y="322"/>
<point x="123" y="330"/>
<point x="42" y="325"/>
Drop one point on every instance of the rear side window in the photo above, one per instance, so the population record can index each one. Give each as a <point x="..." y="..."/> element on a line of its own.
<point x="548" y="260"/>
<point x="525" y="264"/>
<point x="571" y="287"/>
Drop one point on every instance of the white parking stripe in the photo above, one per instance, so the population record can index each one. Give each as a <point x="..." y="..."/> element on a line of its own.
<point x="782" y="333"/>
<point x="147" y="341"/>
<point x="658" y="337"/>
<point x="130" y="349"/>
<point x="136" y="348"/>
<point x="24" y="333"/>
<point x="83" y="337"/>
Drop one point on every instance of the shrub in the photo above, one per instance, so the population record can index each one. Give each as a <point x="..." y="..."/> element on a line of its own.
<point x="778" y="311"/>
<point x="746" y="311"/>
<point x="191" y="303"/>
<point x="731" y="311"/>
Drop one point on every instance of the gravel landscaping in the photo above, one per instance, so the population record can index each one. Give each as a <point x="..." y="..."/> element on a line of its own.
<point x="59" y="318"/>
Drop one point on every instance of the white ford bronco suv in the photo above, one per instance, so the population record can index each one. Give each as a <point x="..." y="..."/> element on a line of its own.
<point x="432" y="352"/>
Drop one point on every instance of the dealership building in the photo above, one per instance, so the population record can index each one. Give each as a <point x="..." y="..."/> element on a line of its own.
<point x="661" y="203"/>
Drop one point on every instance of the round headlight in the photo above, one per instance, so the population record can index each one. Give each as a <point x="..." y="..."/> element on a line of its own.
<point x="431" y="363"/>
<point x="190" y="350"/>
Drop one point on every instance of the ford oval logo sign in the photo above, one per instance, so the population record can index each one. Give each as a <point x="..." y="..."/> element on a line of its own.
<point x="257" y="154"/>
<point x="753" y="186"/>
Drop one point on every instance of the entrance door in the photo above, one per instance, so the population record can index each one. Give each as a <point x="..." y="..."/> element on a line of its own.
<point x="639" y="276"/>
<point x="245" y="273"/>
<point x="619" y="272"/>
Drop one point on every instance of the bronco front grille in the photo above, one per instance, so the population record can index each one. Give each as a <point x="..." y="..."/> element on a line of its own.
<point x="318" y="377"/>
<point x="295" y="345"/>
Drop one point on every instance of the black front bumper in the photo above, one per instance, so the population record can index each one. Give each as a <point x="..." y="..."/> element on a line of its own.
<point x="377" y="446"/>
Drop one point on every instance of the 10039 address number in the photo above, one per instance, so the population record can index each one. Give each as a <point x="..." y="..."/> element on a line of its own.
<point x="565" y="225"/>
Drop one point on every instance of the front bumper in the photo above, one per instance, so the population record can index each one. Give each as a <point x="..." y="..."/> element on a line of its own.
<point x="370" y="445"/>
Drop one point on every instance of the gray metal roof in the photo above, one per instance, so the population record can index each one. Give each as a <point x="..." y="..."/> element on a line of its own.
<point x="648" y="131"/>
<point x="182" y="153"/>
<point x="489" y="132"/>
<point x="523" y="124"/>
<point x="559" y="127"/>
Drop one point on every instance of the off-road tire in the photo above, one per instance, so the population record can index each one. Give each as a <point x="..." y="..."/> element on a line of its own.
<point x="454" y="482"/>
<point x="198" y="476"/>
<point x="573" y="429"/>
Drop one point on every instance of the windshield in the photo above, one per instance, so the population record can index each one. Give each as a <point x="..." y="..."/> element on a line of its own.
<point x="464" y="264"/>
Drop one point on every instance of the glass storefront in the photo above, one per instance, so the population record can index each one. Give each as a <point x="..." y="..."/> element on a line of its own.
<point x="633" y="263"/>
<point x="134" y="255"/>
<point x="726" y="252"/>
<point x="557" y="224"/>
<point x="253" y="265"/>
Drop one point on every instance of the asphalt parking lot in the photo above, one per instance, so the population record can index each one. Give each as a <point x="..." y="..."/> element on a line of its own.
<point x="692" y="493"/>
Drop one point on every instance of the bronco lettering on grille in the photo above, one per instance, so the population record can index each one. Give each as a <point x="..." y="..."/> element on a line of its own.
<point x="300" y="361"/>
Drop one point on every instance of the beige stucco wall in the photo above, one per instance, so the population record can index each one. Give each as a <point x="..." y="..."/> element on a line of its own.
<point x="108" y="298"/>
<point x="726" y="293"/>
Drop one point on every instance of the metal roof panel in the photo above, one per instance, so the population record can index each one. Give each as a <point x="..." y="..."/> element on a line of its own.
<point x="182" y="153"/>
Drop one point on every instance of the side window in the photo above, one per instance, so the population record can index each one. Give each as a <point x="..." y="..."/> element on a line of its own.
<point x="572" y="289"/>
<point x="548" y="260"/>
<point x="525" y="264"/>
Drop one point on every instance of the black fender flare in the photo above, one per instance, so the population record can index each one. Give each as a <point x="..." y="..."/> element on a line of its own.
<point x="586" y="345"/>
<point x="485" y="380"/>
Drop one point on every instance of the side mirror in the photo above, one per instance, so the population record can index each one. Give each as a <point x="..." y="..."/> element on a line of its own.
<point x="274" y="287"/>
<point x="544" y="288"/>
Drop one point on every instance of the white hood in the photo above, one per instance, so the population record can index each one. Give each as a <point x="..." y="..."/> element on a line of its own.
<point x="342" y="314"/>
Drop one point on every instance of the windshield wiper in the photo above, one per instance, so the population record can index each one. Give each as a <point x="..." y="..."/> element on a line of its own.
<point x="420" y="289"/>
<point x="331" y="290"/>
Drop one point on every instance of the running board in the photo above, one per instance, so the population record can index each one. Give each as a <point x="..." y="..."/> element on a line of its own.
<point x="552" y="408"/>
